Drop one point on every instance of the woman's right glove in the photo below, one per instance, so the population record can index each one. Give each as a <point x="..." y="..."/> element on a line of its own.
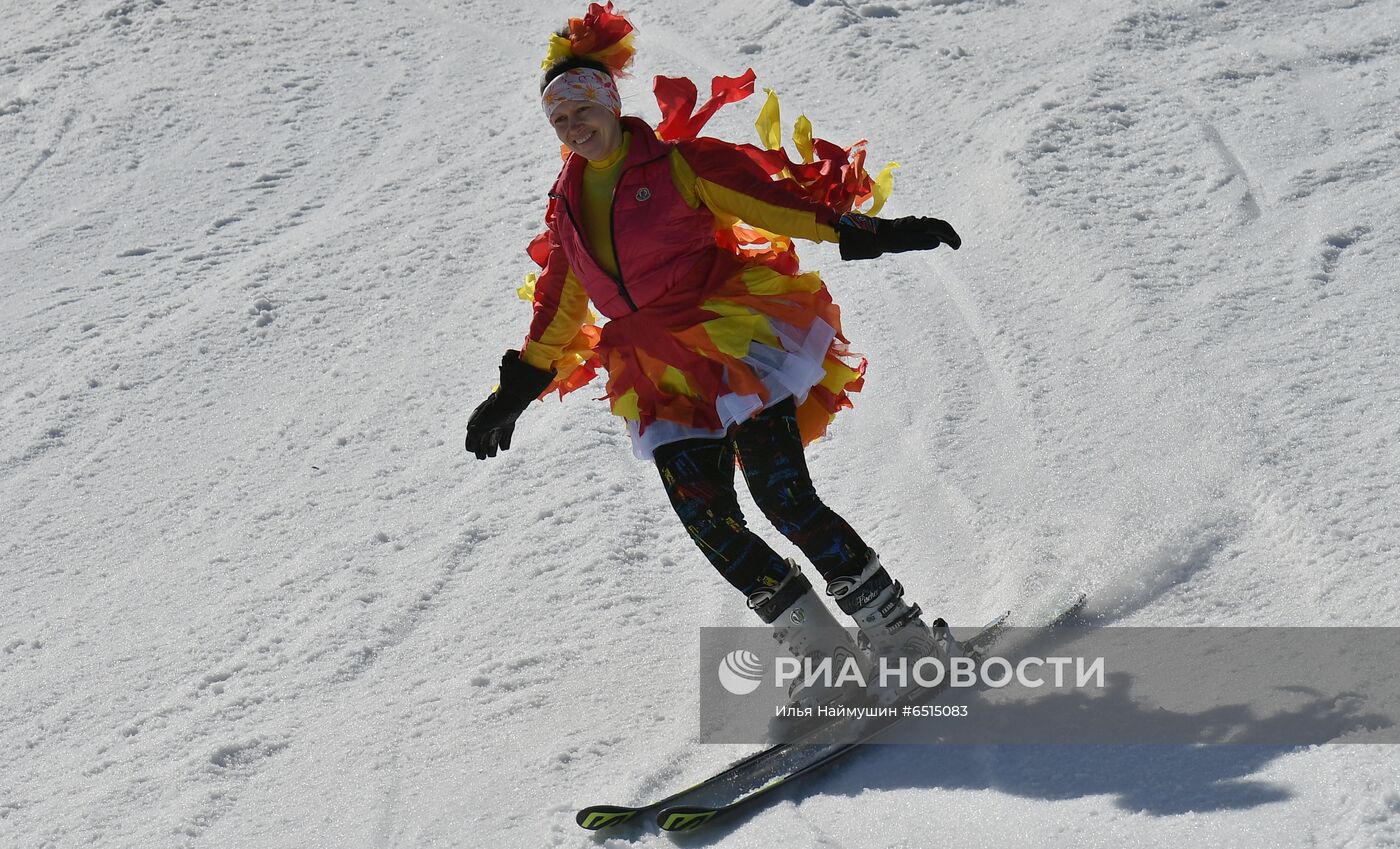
<point x="864" y="237"/>
<point x="493" y="421"/>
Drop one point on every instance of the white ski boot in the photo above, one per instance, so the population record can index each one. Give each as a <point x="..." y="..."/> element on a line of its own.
<point x="890" y="629"/>
<point x="803" y="625"/>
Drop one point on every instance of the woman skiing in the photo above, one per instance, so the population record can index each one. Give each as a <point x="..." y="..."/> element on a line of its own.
<point x="718" y="348"/>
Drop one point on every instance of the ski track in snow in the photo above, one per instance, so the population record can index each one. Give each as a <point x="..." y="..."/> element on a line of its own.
<point x="258" y="264"/>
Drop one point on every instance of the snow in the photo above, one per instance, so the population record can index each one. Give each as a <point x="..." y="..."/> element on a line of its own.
<point x="258" y="262"/>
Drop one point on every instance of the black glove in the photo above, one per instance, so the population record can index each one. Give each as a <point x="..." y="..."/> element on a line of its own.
<point x="863" y="237"/>
<point x="493" y="421"/>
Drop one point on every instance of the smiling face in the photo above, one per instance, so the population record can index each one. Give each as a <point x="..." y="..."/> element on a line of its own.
<point x="589" y="129"/>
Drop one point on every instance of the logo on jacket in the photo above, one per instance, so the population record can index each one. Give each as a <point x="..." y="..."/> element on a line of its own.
<point x="643" y="194"/>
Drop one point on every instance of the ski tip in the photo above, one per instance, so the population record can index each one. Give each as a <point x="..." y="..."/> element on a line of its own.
<point x="684" y="818"/>
<point x="596" y="817"/>
<point x="1073" y="609"/>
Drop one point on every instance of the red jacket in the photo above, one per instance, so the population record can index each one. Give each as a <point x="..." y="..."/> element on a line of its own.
<point x="661" y="244"/>
<point x="677" y="249"/>
<point x="663" y="239"/>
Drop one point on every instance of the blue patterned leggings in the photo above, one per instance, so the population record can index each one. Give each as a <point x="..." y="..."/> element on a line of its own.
<point x="699" y="478"/>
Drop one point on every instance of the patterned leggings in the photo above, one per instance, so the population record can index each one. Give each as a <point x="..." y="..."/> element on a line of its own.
<point x="699" y="478"/>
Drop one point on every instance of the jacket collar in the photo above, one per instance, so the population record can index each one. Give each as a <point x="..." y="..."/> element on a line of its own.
<point x="644" y="147"/>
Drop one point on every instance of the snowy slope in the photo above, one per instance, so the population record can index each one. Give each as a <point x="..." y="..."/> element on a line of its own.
<point x="258" y="261"/>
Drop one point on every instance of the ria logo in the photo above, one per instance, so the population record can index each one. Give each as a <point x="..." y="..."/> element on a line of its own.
<point x="740" y="672"/>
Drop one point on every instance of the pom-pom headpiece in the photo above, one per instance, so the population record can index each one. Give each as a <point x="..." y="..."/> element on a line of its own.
<point x="601" y="35"/>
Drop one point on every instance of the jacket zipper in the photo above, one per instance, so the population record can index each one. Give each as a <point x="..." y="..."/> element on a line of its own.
<point x="612" y="228"/>
<point x="612" y="234"/>
<point x="612" y="237"/>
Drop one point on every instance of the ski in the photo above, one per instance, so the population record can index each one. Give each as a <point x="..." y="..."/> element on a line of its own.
<point x="596" y="817"/>
<point x="767" y="769"/>
<point x="794" y="760"/>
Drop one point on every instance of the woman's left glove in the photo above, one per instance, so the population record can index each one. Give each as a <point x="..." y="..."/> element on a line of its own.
<point x="493" y="421"/>
<point x="864" y="237"/>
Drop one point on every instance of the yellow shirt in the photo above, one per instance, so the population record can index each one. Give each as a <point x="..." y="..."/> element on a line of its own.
<point x="599" y="182"/>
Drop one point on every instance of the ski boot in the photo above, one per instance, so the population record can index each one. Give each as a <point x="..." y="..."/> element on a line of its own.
<point x="890" y="628"/>
<point x="803" y="625"/>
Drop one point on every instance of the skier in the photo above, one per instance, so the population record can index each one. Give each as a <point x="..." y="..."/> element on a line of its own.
<point x="717" y="348"/>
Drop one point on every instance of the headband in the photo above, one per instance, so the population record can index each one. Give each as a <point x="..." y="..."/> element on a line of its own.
<point x="581" y="84"/>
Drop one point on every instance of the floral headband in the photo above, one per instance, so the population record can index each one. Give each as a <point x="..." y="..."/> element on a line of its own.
<point x="587" y="84"/>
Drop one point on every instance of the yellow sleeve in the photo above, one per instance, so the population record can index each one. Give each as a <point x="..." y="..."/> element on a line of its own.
<point x="730" y="205"/>
<point x="558" y="319"/>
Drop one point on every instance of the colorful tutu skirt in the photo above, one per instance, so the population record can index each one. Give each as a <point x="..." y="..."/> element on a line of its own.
<point x="755" y="337"/>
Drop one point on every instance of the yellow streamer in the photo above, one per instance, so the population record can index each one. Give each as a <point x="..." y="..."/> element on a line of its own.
<point x="733" y="333"/>
<point x="882" y="187"/>
<point x="769" y="123"/>
<point x="802" y="138"/>
<point x="838" y="375"/>
<point x="673" y="382"/>
<point x="762" y="280"/>
<point x="626" y="405"/>
<point x="560" y="48"/>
